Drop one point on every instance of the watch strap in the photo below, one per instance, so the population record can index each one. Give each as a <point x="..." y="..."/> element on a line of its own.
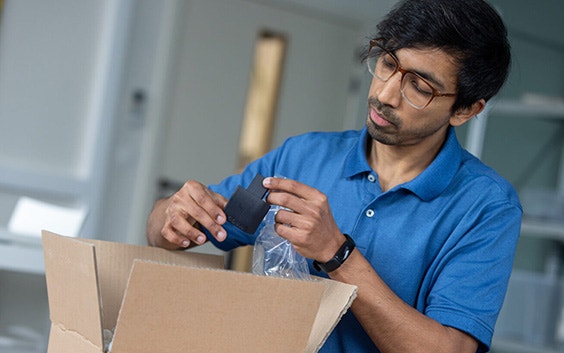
<point x="340" y="257"/>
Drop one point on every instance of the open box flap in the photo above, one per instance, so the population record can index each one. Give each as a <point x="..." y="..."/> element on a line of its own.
<point x="114" y="262"/>
<point x="61" y="341"/>
<point x="72" y="286"/>
<point x="337" y="299"/>
<point x="202" y="310"/>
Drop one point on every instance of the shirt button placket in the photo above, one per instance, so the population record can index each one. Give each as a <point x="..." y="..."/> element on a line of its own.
<point x="370" y="212"/>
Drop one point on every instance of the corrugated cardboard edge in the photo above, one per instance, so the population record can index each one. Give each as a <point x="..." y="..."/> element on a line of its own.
<point x="72" y="288"/>
<point x="80" y="273"/>
<point x="62" y="341"/>
<point x="337" y="299"/>
<point x="223" y="311"/>
<point x="114" y="263"/>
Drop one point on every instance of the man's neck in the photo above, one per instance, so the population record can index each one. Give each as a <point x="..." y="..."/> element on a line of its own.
<point x="396" y="165"/>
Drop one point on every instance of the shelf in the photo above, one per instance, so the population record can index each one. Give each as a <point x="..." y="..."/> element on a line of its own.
<point x="543" y="228"/>
<point x="20" y="239"/>
<point x="21" y="258"/>
<point x="21" y="253"/>
<point x="529" y="109"/>
<point x="42" y="182"/>
<point x="505" y="345"/>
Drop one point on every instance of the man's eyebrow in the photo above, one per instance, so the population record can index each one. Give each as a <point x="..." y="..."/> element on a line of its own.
<point x="431" y="78"/>
<point x="426" y="75"/>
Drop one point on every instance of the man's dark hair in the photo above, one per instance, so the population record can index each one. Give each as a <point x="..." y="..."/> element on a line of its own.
<point x="469" y="30"/>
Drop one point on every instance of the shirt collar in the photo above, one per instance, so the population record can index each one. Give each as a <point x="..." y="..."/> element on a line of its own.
<point x="427" y="185"/>
<point x="439" y="174"/>
<point x="356" y="162"/>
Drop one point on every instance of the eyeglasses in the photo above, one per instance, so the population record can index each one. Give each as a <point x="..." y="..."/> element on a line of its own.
<point x="414" y="89"/>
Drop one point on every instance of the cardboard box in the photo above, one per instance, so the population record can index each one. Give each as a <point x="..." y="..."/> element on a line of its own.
<point x="172" y="301"/>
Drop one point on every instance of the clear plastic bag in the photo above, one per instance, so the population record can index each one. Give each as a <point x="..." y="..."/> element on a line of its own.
<point x="276" y="256"/>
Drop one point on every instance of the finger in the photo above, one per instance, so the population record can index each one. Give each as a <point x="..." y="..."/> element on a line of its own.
<point x="290" y="186"/>
<point x="185" y="231"/>
<point x="219" y="200"/>
<point x="207" y="209"/>
<point x="208" y="215"/>
<point x="172" y="237"/>
<point x="288" y="218"/>
<point x="292" y="202"/>
<point x="213" y="203"/>
<point x="195" y="203"/>
<point x="292" y="234"/>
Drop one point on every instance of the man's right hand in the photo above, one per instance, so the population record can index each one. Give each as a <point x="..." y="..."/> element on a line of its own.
<point x="175" y="222"/>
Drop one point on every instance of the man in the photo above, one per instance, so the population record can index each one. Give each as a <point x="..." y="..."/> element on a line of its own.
<point x="435" y="229"/>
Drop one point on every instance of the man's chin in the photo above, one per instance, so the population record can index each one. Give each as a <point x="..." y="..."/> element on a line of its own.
<point x="378" y="133"/>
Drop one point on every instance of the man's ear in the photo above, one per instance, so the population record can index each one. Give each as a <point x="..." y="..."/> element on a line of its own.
<point x="462" y="115"/>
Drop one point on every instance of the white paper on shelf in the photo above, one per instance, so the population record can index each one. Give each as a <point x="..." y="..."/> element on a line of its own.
<point x="30" y="216"/>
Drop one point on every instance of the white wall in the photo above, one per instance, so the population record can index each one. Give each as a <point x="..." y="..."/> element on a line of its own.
<point x="212" y="76"/>
<point x="48" y="61"/>
<point x="60" y="70"/>
<point x="60" y="64"/>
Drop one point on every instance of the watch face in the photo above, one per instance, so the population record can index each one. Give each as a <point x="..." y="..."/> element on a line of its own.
<point x="331" y="265"/>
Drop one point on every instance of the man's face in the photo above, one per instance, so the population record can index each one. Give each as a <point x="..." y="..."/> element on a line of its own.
<point x="393" y="121"/>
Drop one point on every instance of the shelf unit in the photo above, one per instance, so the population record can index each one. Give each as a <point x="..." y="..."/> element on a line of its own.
<point x="514" y="346"/>
<point x="542" y="228"/>
<point x="20" y="252"/>
<point x="545" y="228"/>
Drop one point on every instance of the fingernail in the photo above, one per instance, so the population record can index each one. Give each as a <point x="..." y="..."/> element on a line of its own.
<point x="201" y="239"/>
<point x="267" y="181"/>
<point x="185" y="243"/>
<point x="220" y="235"/>
<point x="220" y="219"/>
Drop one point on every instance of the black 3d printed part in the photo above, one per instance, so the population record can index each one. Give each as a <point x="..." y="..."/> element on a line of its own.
<point x="246" y="207"/>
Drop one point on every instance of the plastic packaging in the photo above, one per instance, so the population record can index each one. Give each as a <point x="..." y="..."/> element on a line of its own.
<point x="276" y="256"/>
<point x="108" y="336"/>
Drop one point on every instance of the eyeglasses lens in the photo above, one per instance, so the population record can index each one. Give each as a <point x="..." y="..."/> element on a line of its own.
<point x="416" y="91"/>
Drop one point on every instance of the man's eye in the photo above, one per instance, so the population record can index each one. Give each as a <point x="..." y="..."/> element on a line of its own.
<point x="388" y="62"/>
<point x="421" y="87"/>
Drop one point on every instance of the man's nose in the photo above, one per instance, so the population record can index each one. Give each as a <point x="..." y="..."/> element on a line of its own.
<point x="390" y="91"/>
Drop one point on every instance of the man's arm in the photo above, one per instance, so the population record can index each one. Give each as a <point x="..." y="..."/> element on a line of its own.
<point x="392" y="324"/>
<point x="175" y="222"/>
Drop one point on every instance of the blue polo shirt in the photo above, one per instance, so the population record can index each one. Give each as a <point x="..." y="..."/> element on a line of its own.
<point x="444" y="242"/>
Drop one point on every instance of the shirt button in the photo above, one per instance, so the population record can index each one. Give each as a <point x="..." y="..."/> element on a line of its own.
<point x="370" y="213"/>
<point x="371" y="178"/>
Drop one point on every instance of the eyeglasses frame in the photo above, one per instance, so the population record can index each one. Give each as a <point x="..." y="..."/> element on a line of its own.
<point x="400" y="69"/>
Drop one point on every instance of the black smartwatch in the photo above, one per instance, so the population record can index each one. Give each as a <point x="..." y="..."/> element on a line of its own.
<point x="340" y="257"/>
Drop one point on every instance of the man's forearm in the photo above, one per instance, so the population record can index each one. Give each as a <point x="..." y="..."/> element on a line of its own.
<point x="392" y="324"/>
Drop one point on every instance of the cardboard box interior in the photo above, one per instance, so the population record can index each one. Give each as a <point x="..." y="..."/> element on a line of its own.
<point x="172" y="301"/>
